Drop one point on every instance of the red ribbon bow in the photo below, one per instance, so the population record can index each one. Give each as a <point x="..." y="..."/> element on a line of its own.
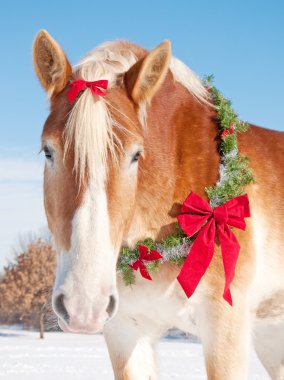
<point x="228" y="132"/>
<point x="195" y="212"/>
<point x="79" y="85"/>
<point x="144" y="254"/>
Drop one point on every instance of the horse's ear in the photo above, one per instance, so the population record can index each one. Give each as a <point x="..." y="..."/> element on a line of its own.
<point x="145" y="78"/>
<point x="51" y="65"/>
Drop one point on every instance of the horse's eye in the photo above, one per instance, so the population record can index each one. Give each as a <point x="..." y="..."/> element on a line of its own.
<point x="136" y="156"/>
<point x="47" y="153"/>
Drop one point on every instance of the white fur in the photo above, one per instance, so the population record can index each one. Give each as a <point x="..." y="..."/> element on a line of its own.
<point x="86" y="273"/>
<point x="269" y="345"/>
<point x="146" y="311"/>
<point x="149" y="308"/>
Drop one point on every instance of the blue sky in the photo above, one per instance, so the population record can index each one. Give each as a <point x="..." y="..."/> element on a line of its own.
<point x="240" y="42"/>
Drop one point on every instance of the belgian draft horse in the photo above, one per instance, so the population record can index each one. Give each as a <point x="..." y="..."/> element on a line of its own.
<point x="117" y="169"/>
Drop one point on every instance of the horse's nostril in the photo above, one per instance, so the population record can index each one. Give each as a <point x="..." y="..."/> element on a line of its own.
<point x="60" y="308"/>
<point x="111" y="305"/>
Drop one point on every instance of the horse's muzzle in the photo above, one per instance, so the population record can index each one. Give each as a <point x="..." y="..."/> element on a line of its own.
<point x="73" y="318"/>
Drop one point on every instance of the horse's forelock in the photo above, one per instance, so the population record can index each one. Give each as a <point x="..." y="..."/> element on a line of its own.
<point x="90" y="126"/>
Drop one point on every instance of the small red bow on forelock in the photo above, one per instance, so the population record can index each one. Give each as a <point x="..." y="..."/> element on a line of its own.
<point x="229" y="131"/>
<point x="197" y="214"/>
<point x="97" y="87"/>
<point x="144" y="254"/>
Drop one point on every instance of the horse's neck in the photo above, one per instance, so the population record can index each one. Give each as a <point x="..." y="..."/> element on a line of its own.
<point x="180" y="156"/>
<point x="197" y="157"/>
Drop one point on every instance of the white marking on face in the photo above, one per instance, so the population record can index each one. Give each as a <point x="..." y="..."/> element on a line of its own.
<point x="86" y="274"/>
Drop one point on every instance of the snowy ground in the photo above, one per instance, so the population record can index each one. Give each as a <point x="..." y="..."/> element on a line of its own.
<point x="81" y="357"/>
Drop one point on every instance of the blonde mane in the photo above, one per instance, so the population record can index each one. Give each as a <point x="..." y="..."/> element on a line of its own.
<point x="90" y="126"/>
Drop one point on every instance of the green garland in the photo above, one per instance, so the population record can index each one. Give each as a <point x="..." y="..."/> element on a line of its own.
<point x="235" y="174"/>
<point x="170" y="243"/>
<point x="234" y="169"/>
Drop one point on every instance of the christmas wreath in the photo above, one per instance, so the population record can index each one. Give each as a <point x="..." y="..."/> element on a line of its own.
<point x="192" y="245"/>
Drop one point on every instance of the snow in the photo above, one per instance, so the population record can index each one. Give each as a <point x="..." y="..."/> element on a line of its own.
<point x="84" y="357"/>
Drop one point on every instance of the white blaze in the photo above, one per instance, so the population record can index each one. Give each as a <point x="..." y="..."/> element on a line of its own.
<point x="86" y="274"/>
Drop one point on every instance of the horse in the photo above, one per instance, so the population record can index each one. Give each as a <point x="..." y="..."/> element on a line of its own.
<point x="118" y="167"/>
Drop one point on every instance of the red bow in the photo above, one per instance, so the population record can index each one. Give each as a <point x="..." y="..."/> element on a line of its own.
<point x="144" y="254"/>
<point x="195" y="213"/>
<point x="228" y="132"/>
<point x="79" y="85"/>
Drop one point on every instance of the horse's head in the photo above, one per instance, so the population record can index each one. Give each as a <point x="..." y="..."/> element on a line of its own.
<point x="92" y="150"/>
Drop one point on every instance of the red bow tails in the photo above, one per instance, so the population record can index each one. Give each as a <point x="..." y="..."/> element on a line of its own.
<point x="197" y="214"/>
<point x="97" y="87"/>
<point x="145" y="255"/>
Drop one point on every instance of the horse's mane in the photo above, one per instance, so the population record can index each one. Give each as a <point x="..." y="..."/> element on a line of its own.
<point x="90" y="126"/>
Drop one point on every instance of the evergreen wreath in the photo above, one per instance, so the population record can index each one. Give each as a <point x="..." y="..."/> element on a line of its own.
<point x="234" y="175"/>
